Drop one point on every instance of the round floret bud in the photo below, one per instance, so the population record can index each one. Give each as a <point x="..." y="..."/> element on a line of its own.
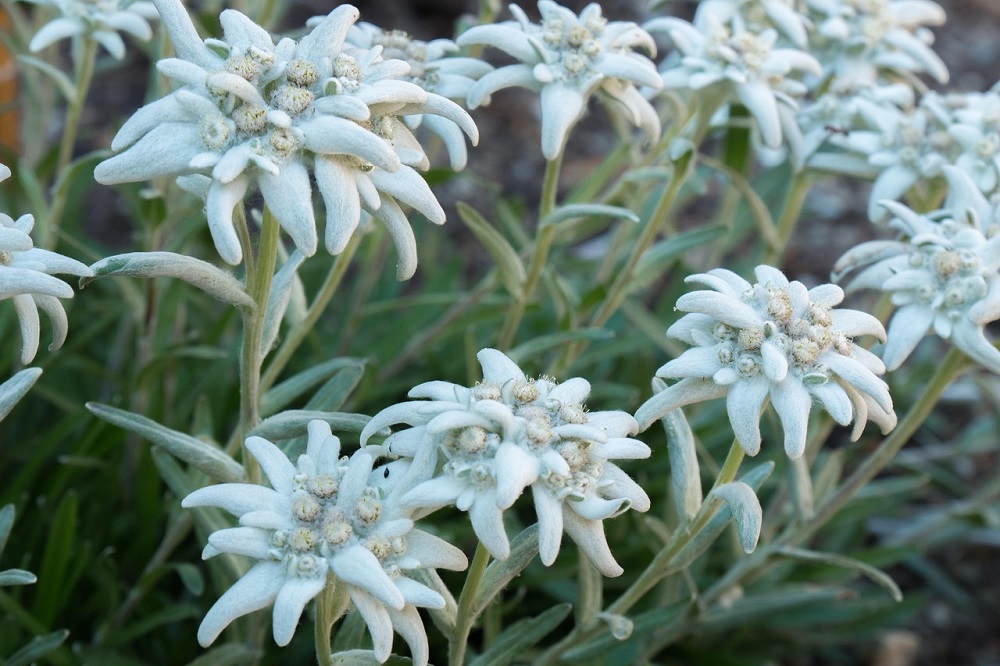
<point x="481" y="474"/>
<point x="572" y="413"/>
<point x="947" y="263"/>
<point x="574" y="453"/>
<point x="292" y="99"/>
<point x="283" y="142"/>
<point x="336" y="527"/>
<point x="323" y="486"/>
<point x="968" y="261"/>
<point x="472" y="439"/>
<point x="748" y="365"/>
<point x="486" y="391"/>
<point x="574" y="63"/>
<point x="819" y="315"/>
<point x="577" y="35"/>
<point x="244" y="66"/>
<point x="214" y="132"/>
<point x="727" y="354"/>
<point x="302" y="539"/>
<point x="378" y="545"/>
<point x="305" y="507"/>
<point x="306" y="566"/>
<point x="804" y="351"/>
<point x="346" y="67"/>
<point x="302" y="73"/>
<point x="779" y="305"/>
<point x="525" y="392"/>
<point x="250" y="118"/>
<point x="538" y="431"/>
<point x="368" y="508"/>
<point x="750" y="339"/>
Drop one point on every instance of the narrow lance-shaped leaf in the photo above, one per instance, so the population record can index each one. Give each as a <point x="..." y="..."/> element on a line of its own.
<point x="277" y="303"/>
<point x="522" y="635"/>
<point x="745" y="507"/>
<point x="284" y="393"/>
<point x="685" y="472"/>
<point x="63" y="84"/>
<point x="210" y="279"/>
<point x="523" y="549"/>
<point x="875" y="575"/>
<point x="200" y="455"/>
<point x="38" y="648"/>
<point x="576" y="211"/>
<point x="509" y="265"/>
<point x="12" y="390"/>
<point x="292" y="423"/>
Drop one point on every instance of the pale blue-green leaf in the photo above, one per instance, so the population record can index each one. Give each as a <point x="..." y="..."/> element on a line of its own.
<point x="443" y="618"/>
<point x="292" y="423"/>
<point x="212" y="280"/>
<point x="37" y="648"/>
<point x="523" y="549"/>
<point x="163" y="617"/>
<point x="521" y="636"/>
<point x="12" y="390"/>
<point x="659" y="622"/>
<point x="58" y="77"/>
<point x="334" y="393"/>
<point x="16" y="577"/>
<point x="877" y="576"/>
<point x="229" y="654"/>
<point x="7" y="514"/>
<point x="277" y="303"/>
<point x="509" y="264"/>
<point x="745" y="508"/>
<point x="758" y="209"/>
<point x="352" y="633"/>
<point x="366" y="658"/>
<point x="575" y="211"/>
<point x="543" y="343"/>
<point x="284" y="393"/>
<point x="700" y="542"/>
<point x="743" y="612"/>
<point x="657" y="259"/>
<point x="191" y="577"/>
<point x="685" y="472"/>
<point x="195" y="452"/>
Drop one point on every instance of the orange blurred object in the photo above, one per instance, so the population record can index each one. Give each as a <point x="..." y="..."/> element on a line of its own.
<point x="8" y="93"/>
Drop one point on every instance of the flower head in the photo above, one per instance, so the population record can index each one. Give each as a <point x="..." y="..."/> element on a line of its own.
<point x="773" y="338"/>
<point x="326" y="519"/>
<point x="435" y="67"/>
<point x="26" y="278"/>
<point x="567" y="58"/>
<point x="99" y="19"/>
<point x="943" y="272"/>
<point x="252" y="112"/>
<point x="745" y="64"/>
<point x="509" y="432"/>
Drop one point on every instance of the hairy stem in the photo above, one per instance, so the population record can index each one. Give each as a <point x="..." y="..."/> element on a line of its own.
<point x="465" y="618"/>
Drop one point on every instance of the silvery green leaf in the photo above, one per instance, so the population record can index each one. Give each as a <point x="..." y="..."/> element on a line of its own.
<point x="743" y="612"/>
<point x="573" y="211"/>
<point x="522" y="635"/>
<point x="210" y="279"/>
<point x="16" y="577"/>
<point x="523" y="549"/>
<point x="509" y="264"/>
<point x="745" y="508"/>
<point x="657" y="258"/>
<point x="443" y="618"/>
<point x="14" y="389"/>
<point x="293" y="423"/>
<point x="6" y="523"/>
<point x="290" y="389"/>
<point x="875" y="575"/>
<point x="685" y="472"/>
<point x="801" y="486"/>
<point x="366" y="658"/>
<point x="758" y="209"/>
<point x="37" y="648"/>
<point x="679" y="147"/>
<point x="63" y="84"/>
<point x="717" y="523"/>
<point x="659" y="622"/>
<point x="538" y="345"/>
<point x="281" y="294"/>
<point x="334" y="393"/>
<point x="200" y="455"/>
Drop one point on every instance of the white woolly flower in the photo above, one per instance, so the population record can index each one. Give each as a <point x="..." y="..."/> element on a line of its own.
<point x="889" y="34"/>
<point x="252" y="112"/>
<point x="26" y="278"/>
<point x="507" y="433"/>
<point x="99" y="19"/>
<point x="325" y="520"/>
<point x="744" y="65"/>
<point x="943" y="273"/>
<point x="758" y="15"/>
<point x="435" y="67"/>
<point x="566" y="59"/>
<point x="776" y="339"/>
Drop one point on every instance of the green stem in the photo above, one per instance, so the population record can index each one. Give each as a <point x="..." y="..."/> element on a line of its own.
<point x="84" y="75"/>
<point x="546" y="234"/>
<point x="299" y="332"/>
<point x="324" y="621"/>
<point x="794" y="200"/>
<point x="259" y="288"/>
<point x="465" y="618"/>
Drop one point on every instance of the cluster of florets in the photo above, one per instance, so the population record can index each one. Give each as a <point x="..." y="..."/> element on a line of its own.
<point x="492" y="441"/>
<point x="99" y="20"/>
<point x="942" y="273"/>
<point x="773" y="338"/>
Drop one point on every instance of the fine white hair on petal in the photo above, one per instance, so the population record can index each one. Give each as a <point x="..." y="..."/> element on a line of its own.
<point x="257" y="589"/>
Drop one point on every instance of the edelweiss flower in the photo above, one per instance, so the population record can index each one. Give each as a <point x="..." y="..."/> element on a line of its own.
<point x="889" y="34"/>
<point x="251" y="111"/>
<point x="567" y="59"/>
<point x="510" y="432"/>
<point x="326" y="520"/>
<point x="758" y="15"/>
<point x="744" y="65"/>
<point x="773" y="338"/>
<point x="942" y="273"/>
<point x="435" y="68"/>
<point x="26" y="278"/>
<point x="100" y="19"/>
